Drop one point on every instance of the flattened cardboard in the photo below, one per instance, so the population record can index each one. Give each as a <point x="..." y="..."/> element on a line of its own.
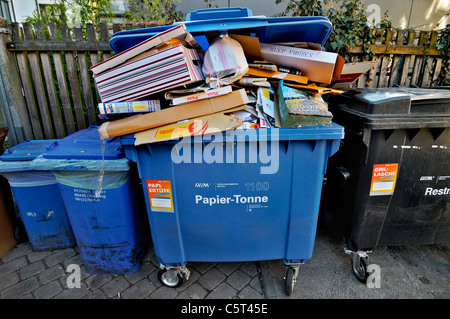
<point x="277" y="75"/>
<point x="213" y="123"/>
<point x="352" y="71"/>
<point x="173" y="114"/>
<point x="318" y="66"/>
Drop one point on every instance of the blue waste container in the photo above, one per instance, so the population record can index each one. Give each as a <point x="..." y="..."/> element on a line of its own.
<point x="95" y="182"/>
<point x="37" y="196"/>
<point x="243" y="195"/>
<point x="204" y="208"/>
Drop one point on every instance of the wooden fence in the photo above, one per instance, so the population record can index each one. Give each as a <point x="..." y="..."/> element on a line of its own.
<point x="60" y="93"/>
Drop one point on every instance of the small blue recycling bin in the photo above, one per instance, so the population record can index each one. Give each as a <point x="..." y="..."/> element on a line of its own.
<point x="96" y="185"/>
<point x="241" y="195"/>
<point x="37" y="196"/>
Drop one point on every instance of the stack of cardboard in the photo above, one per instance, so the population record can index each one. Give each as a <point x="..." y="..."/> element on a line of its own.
<point x="161" y="79"/>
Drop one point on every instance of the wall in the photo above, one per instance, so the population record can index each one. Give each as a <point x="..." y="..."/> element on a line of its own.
<point x="416" y="14"/>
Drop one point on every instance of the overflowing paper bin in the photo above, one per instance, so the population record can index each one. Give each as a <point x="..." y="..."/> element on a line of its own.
<point x="37" y="196"/>
<point x="234" y="204"/>
<point x="389" y="184"/>
<point x="95" y="182"/>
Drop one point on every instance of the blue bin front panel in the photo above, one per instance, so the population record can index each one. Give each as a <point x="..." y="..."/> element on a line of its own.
<point x="106" y="228"/>
<point x="230" y="211"/>
<point x="44" y="216"/>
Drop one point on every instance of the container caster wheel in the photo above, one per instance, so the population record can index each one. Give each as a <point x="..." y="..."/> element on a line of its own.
<point x="290" y="279"/>
<point x="20" y="234"/>
<point x="360" y="270"/>
<point x="170" y="277"/>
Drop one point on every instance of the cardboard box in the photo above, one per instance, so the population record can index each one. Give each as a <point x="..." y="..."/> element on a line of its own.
<point x="213" y="123"/>
<point x="318" y="66"/>
<point x="173" y="114"/>
<point x="351" y="72"/>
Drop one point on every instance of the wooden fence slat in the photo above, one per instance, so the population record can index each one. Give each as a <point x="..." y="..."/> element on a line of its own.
<point x="104" y="38"/>
<point x="406" y="65"/>
<point x="85" y="82"/>
<point x="49" y="82"/>
<point x="26" y="85"/>
<point x="73" y="81"/>
<point x="94" y="55"/>
<point x="62" y="84"/>
<point x="38" y="85"/>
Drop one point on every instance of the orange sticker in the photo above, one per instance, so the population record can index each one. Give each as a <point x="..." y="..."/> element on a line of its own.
<point x="160" y="196"/>
<point x="384" y="177"/>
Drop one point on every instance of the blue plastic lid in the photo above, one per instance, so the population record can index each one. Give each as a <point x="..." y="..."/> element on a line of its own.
<point x="26" y="151"/>
<point x="85" y="145"/>
<point x="268" y="30"/>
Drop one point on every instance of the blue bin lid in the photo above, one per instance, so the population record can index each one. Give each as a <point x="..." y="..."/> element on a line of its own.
<point x="26" y="151"/>
<point x="268" y="30"/>
<point x="85" y="145"/>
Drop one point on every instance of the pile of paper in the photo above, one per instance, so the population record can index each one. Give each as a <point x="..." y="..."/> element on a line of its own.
<point x="179" y="88"/>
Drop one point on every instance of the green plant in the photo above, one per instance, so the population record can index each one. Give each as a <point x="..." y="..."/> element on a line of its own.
<point x="153" y="10"/>
<point x="443" y="44"/>
<point x="74" y="11"/>
<point x="350" y="23"/>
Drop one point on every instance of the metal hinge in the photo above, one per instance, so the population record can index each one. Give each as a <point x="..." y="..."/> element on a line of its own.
<point x="5" y="30"/>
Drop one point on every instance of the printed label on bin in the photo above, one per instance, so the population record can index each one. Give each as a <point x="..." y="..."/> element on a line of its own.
<point x="384" y="177"/>
<point x="160" y="196"/>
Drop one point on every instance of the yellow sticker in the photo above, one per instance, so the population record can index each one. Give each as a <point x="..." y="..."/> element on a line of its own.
<point x="384" y="178"/>
<point x="160" y="196"/>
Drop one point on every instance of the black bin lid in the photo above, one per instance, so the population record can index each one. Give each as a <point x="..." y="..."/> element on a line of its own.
<point x="396" y="107"/>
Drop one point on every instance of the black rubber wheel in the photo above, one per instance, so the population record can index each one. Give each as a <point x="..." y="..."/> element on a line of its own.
<point x="20" y="233"/>
<point x="289" y="281"/>
<point x="169" y="278"/>
<point x="360" y="272"/>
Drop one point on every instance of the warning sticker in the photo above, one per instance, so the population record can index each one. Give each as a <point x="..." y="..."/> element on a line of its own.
<point x="384" y="177"/>
<point x="160" y="196"/>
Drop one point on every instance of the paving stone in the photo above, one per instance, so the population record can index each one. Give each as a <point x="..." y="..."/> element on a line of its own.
<point x="203" y="267"/>
<point x="211" y="279"/>
<point x="146" y="269"/>
<point x="115" y="286"/>
<point x="164" y="292"/>
<point x="249" y="293"/>
<point x="238" y="279"/>
<point x="223" y="291"/>
<point x="255" y="283"/>
<point x="249" y="268"/>
<point x="73" y="293"/>
<point x="38" y="255"/>
<point x="139" y="290"/>
<point x="9" y="280"/>
<point x="48" y="291"/>
<point x="59" y="256"/>
<point x="96" y="294"/>
<point x="31" y="270"/>
<point x="96" y="281"/>
<point x="17" y="252"/>
<point x="20" y="289"/>
<point x="50" y="274"/>
<point x="12" y="266"/>
<point x="228" y="268"/>
<point x="194" y="291"/>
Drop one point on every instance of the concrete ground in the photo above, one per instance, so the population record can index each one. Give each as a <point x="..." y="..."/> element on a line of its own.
<point x="418" y="272"/>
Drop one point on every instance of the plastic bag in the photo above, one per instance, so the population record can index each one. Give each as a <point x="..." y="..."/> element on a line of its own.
<point x="96" y="181"/>
<point x="29" y="178"/>
<point x="224" y="62"/>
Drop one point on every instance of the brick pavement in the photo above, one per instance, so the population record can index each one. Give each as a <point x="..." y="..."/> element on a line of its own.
<point x="25" y="274"/>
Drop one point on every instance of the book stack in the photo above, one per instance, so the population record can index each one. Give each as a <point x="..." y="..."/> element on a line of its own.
<point x="154" y="65"/>
<point x="151" y="74"/>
